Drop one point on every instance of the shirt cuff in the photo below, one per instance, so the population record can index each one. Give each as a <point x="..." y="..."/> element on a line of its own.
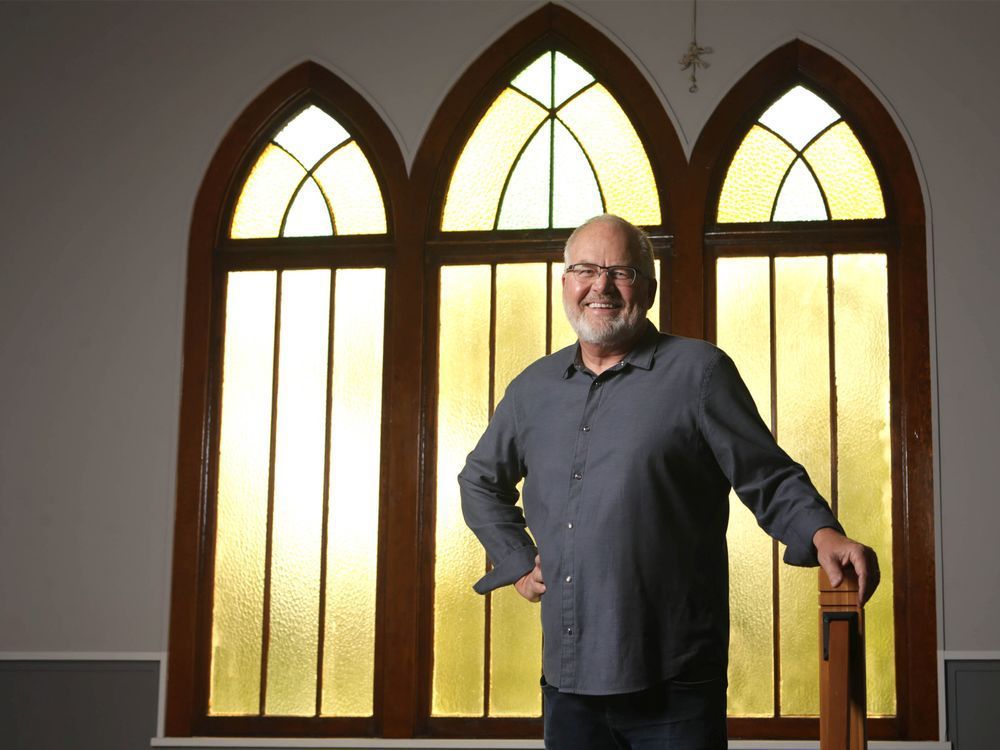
<point x="518" y="562"/>
<point x="801" y="550"/>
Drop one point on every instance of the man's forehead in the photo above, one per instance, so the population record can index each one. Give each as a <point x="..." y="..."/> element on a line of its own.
<point x="604" y="239"/>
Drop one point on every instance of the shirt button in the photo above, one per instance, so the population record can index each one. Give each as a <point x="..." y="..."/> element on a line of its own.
<point x="569" y="631"/>
<point x="569" y="525"/>
<point x="577" y="475"/>
<point x="586" y="428"/>
<point x="569" y="579"/>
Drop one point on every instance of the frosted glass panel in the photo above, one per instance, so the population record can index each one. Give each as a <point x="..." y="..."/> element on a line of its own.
<point x="515" y="628"/>
<point x="864" y="458"/>
<point x="463" y="404"/>
<point x="298" y="493"/>
<point x="562" y="332"/>
<point x="753" y="177"/>
<point x="265" y="194"/>
<point x="309" y="215"/>
<point x="575" y="196"/>
<point x="802" y="356"/>
<point x="570" y="78"/>
<point x="617" y="154"/>
<point x="526" y="200"/>
<point x="515" y="655"/>
<point x="310" y="135"/>
<point x="244" y="457"/>
<point x="352" y="537"/>
<point x="520" y="320"/>
<point x="800" y="198"/>
<point x="536" y="80"/>
<point x="350" y="185"/>
<point x="743" y="331"/>
<point x="799" y="116"/>
<point x="846" y="174"/>
<point x="474" y="191"/>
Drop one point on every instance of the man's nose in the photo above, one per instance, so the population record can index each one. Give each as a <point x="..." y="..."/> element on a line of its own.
<point x="602" y="281"/>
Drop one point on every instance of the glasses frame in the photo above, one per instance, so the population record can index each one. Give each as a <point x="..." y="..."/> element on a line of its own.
<point x="576" y="268"/>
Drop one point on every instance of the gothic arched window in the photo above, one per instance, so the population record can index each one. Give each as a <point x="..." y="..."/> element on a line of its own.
<point x="811" y="245"/>
<point x="281" y="465"/>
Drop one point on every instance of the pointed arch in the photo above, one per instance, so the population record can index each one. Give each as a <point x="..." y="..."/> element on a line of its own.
<point x="211" y="255"/>
<point x="551" y="27"/>
<point x="488" y="266"/>
<point x="900" y="239"/>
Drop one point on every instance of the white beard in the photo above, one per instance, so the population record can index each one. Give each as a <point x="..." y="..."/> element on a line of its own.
<point x="605" y="332"/>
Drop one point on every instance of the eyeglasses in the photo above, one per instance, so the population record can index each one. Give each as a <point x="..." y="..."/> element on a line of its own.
<point x="588" y="273"/>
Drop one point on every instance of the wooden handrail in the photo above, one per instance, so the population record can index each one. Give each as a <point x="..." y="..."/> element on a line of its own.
<point x="843" y="708"/>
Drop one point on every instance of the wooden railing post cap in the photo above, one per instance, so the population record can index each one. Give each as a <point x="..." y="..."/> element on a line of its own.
<point x="849" y="583"/>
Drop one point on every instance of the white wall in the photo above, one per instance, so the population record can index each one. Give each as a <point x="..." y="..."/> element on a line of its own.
<point x="109" y="115"/>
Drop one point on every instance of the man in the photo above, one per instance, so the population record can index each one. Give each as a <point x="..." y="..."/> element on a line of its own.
<point x="628" y="444"/>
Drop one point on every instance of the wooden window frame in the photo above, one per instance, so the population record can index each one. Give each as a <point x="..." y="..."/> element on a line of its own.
<point x="550" y="28"/>
<point x="901" y="236"/>
<point x="413" y="252"/>
<point x="212" y="255"/>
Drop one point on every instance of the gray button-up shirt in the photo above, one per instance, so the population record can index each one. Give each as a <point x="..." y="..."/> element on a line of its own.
<point x="626" y="491"/>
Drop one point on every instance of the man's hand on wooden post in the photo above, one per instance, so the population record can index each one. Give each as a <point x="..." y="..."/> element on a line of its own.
<point x="835" y="551"/>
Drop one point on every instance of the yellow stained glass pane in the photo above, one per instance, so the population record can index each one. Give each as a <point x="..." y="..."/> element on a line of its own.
<point x="802" y="358"/>
<point x="526" y="200"/>
<point x="520" y="320"/>
<point x="743" y="331"/>
<point x="846" y="175"/>
<point x="298" y="493"/>
<point x="487" y="158"/>
<point x="536" y="80"/>
<point x="753" y="177"/>
<point x="569" y="78"/>
<point x="515" y="626"/>
<point x="463" y="404"/>
<point x="562" y="332"/>
<point x="309" y="215"/>
<point x="265" y="194"/>
<point x="515" y="655"/>
<point x="575" y="197"/>
<point x="350" y="185"/>
<point x="799" y="116"/>
<point x="310" y="135"/>
<point x="355" y="450"/>
<point x="864" y="447"/>
<point x="244" y="457"/>
<point x="800" y="198"/>
<point x="617" y="154"/>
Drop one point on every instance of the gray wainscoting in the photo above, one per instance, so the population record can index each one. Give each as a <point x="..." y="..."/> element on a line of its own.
<point x="78" y="705"/>
<point x="973" y="690"/>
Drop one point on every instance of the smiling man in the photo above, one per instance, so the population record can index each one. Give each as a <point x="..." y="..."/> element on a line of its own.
<point x="628" y="443"/>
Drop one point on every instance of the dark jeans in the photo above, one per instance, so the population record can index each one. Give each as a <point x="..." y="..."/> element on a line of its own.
<point x="674" y="715"/>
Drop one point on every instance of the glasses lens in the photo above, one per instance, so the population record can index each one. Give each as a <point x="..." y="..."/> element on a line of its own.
<point x="622" y="274"/>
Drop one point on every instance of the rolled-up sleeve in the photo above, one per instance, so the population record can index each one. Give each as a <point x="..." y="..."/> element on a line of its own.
<point x="488" y="486"/>
<point x="774" y="487"/>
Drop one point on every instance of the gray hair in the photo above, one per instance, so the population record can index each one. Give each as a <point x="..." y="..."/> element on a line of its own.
<point x="638" y="241"/>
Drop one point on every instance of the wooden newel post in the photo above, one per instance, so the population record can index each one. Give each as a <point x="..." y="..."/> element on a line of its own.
<point x="843" y="707"/>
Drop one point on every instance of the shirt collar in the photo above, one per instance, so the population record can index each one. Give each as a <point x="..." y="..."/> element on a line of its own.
<point x="641" y="356"/>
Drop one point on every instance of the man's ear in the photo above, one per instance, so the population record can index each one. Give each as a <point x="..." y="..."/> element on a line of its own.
<point x="652" y="292"/>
